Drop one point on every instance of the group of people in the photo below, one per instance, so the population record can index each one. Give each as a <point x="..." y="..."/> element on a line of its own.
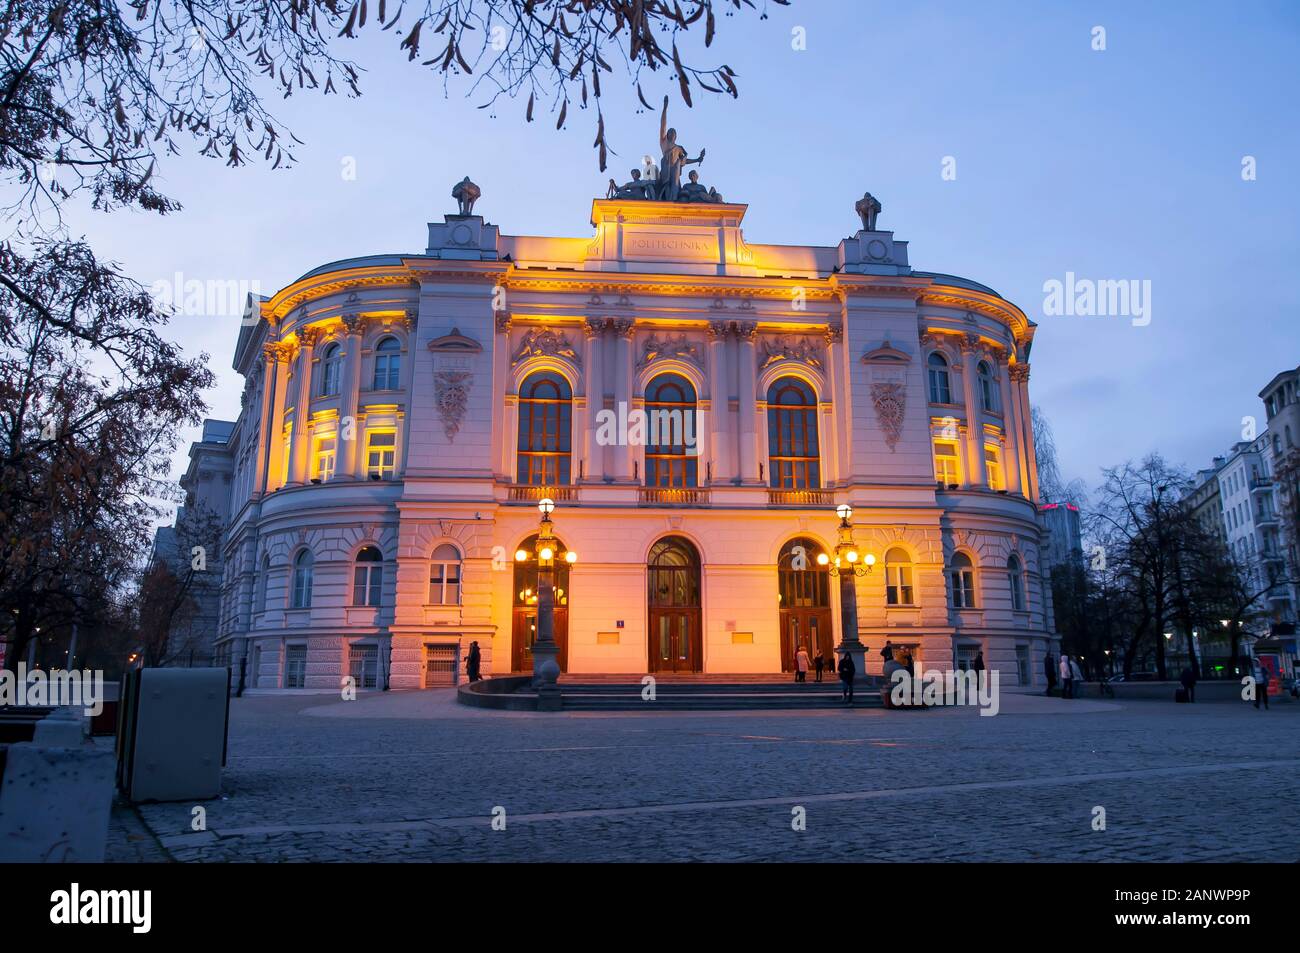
<point x="1071" y="675"/>
<point x="848" y="670"/>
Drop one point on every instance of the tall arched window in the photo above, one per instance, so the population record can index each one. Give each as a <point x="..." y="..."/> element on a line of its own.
<point x="331" y="366"/>
<point x="1015" y="573"/>
<point x="988" y="393"/>
<point x="794" y="461"/>
<point x="302" y="573"/>
<point x="368" y="577"/>
<point x="545" y="411"/>
<point x="898" y="577"/>
<point x="940" y="391"/>
<point x="388" y="364"/>
<point x="961" y="576"/>
<point x="263" y="583"/>
<point x="671" y="453"/>
<point x="444" y="576"/>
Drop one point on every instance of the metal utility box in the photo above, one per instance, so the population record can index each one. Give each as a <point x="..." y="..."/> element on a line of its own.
<point x="171" y="733"/>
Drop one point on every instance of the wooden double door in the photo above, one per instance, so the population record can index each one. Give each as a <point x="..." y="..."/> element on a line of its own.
<point x="805" y="593"/>
<point x="810" y="628"/>
<point x="524" y="634"/>
<point x="676" y="640"/>
<point x="675" y="632"/>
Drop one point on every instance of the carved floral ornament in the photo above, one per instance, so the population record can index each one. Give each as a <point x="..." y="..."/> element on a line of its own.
<point x="451" y="395"/>
<point x="890" y="401"/>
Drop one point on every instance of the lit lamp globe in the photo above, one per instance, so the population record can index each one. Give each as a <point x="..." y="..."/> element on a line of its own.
<point x="823" y="559"/>
<point x="844" y="511"/>
<point x="571" y="557"/>
<point x="521" y="555"/>
<point x="869" y="559"/>
<point x="547" y="506"/>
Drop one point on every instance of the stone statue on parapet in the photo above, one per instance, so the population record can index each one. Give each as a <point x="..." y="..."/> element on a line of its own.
<point x="638" y="188"/>
<point x="692" y="191"/>
<point x="674" y="159"/>
<point x="868" y="208"/>
<point x="466" y="193"/>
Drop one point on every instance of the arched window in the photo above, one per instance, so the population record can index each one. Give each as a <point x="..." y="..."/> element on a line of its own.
<point x="444" y="576"/>
<point x="1015" y="573"/>
<point x="302" y="572"/>
<point x="545" y="410"/>
<point x="263" y="583"/>
<point x="961" y="575"/>
<point x="673" y="571"/>
<point x="940" y="392"/>
<point x="388" y="364"/>
<point x="331" y="366"/>
<point x="898" y="578"/>
<point x="794" y="461"/>
<point x="368" y="577"/>
<point x="988" y="393"/>
<point x="671" y="454"/>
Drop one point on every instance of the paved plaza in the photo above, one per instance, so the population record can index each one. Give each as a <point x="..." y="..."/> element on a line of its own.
<point x="415" y="777"/>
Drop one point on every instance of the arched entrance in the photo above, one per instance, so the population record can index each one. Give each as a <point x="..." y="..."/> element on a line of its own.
<point x="805" y="594"/>
<point x="524" y="626"/>
<point x="675" y="630"/>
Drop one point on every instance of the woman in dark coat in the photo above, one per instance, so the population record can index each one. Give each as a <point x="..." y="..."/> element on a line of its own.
<point x="847" y="672"/>
<point x="472" y="662"/>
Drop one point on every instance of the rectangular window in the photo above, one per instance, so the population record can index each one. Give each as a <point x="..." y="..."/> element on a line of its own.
<point x="363" y="665"/>
<point x="1022" y="664"/>
<point x="993" y="466"/>
<point x="444" y="584"/>
<point x="381" y="453"/>
<point x="295" y="666"/>
<point x="324" y="459"/>
<point x="945" y="463"/>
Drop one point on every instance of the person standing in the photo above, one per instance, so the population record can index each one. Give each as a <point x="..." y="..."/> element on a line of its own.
<point x="977" y="666"/>
<point x="1261" y="681"/>
<point x="1076" y="673"/>
<point x="819" y="663"/>
<point x="1067" y="677"/>
<point x="887" y="652"/>
<point x="847" y="672"/>
<point x="801" y="665"/>
<point x="1049" y="668"/>
<point x="1188" y="680"/>
<point x="472" y="662"/>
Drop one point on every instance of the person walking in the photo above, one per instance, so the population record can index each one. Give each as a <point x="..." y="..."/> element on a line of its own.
<point x="1188" y="680"/>
<point x="1049" y="668"/>
<point x="1261" y="681"/>
<point x="847" y="672"/>
<point x="1076" y="673"/>
<point x="977" y="666"/>
<point x="887" y="652"/>
<point x="472" y="662"/>
<point x="801" y="665"/>
<point x="819" y="663"/>
<point x="1067" y="677"/>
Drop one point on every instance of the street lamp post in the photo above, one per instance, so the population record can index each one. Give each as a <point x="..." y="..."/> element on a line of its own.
<point x="546" y="665"/>
<point x="848" y="565"/>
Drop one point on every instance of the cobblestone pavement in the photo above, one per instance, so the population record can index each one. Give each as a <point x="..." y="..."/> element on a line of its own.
<point x="415" y="777"/>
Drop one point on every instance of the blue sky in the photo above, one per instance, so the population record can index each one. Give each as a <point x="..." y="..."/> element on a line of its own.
<point x="1122" y="164"/>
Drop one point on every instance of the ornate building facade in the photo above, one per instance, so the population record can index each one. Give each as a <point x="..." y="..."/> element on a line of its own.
<point x="696" y="405"/>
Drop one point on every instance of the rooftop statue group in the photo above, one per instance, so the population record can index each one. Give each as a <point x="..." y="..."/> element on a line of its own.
<point x="663" y="182"/>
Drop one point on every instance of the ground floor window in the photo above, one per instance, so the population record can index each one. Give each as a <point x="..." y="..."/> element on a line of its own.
<point x="363" y="665"/>
<point x="295" y="666"/>
<point x="1022" y="665"/>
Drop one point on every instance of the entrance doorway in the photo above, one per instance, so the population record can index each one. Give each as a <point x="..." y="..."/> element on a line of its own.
<point x="524" y="625"/>
<point x="675" y="635"/>
<point x="805" y="594"/>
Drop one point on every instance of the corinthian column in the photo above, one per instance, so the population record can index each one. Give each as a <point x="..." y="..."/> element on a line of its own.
<point x="1020" y="384"/>
<point x="593" y="454"/>
<point x="271" y="423"/>
<point x="719" y="422"/>
<point x="1011" y="424"/>
<point x="503" y="425"/>
<point x="307" y="339"/>
<point x="747" y="384"/>
<point x="624" y="328"/>
<point x="975" y="471"/>
<point x="345" y="456"/>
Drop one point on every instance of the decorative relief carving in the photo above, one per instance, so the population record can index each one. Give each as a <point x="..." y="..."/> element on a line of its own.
<point x="594" y="327"/>
<point x="310" y="337"/>
<point x="623" y="327"/>
<point x="785" y="348"/>
<point x="451" y="393"/>
<point x="834" y="333"/>
<point x="681" y="347"/>
<point x="890" y="400"/>
<point x="545" y="342"/>
<point x="747" y="331"/>
<point x="352" y="322"/>
<point x="970" y="343"/>
<point x="503" y="322"/>
<point x="410" y="318"/>
<point x="718" y="330"/>
<point x="1019" y="373"/>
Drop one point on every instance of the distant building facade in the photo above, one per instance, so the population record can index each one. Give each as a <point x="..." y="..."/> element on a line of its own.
<point x="403" y="414"/>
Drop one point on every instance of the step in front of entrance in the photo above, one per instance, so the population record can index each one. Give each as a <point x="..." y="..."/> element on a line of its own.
<point x="714" y="696"/>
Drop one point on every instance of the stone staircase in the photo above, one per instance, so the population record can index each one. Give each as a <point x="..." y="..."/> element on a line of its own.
<point x="732" y="693"/>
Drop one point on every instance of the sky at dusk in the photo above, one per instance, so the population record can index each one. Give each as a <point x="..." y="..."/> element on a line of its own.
<point x="1120" y="164"/>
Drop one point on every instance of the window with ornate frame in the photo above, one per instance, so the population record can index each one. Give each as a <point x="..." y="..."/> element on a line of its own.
<point x="899" y="590"/>
<point x="444" y="576"/>
<point x="545" y="430"/>
<point x="961" y="577"/>
<point x="368" y="577"/>
<point x="794" y="460"/>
